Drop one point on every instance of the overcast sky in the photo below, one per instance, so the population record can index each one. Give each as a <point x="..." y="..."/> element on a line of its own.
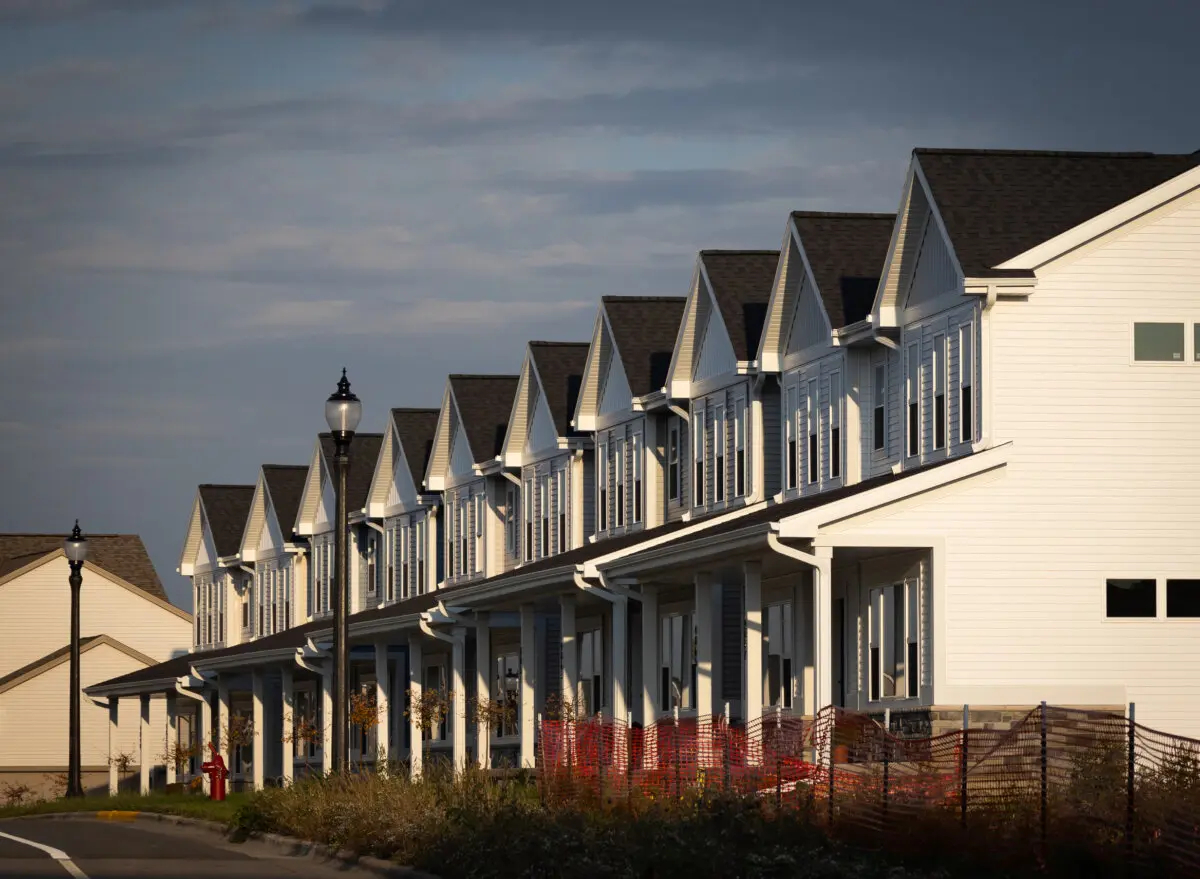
<point x="208" y="208"/>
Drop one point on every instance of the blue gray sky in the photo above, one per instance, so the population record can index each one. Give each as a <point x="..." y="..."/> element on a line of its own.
<point x="208" y="208"/>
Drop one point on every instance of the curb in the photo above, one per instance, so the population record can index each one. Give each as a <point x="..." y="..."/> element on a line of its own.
<point x="292" y="846"/>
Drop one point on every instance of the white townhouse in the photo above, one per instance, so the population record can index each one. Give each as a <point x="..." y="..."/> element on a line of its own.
<point x="928" y="460"/>
<point x="211" y="558"/>
<point x="274" y="560"/>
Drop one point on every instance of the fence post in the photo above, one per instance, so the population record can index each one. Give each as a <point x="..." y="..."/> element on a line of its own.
<point x="1129" y="785"/>
<point x="1045" y="782"/>
<point x="962" y="770"/>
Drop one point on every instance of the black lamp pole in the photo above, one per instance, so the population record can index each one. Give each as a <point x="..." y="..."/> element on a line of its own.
<point x="76" y="550"/>
<point x="342" y="412"/>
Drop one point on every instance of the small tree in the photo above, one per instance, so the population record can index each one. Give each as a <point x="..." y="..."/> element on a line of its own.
<point x="305" y="733"/>
<point x="179" y="755"/>
<point x="124" y="762"/>
<point x="493" y="714"/>
<point x="364" y="715"/>
<point x="429" y="709"/>
<point x="238" y="733"/>
<point x="15" y="794"/>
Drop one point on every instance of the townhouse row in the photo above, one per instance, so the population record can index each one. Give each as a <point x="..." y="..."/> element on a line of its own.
<point x="905" y="462"/>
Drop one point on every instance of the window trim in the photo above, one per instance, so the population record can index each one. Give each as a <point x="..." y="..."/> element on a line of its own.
<point x="912" y="397"/>
<point x="966" y="389"/>
<point x="879" y="409"/>
<point x="835" y="418"/>
<point x="812" y="433"/>
<point x="941" y="406"/>
<point x="791" y="432"/>
<point x="741" y="432"/>
<point x="674" y="459"/>
<point x="1189" y="353"/>
<point x="637" y="456"/>
<point x="720" y="442"/>
<point x="699" y="450"/>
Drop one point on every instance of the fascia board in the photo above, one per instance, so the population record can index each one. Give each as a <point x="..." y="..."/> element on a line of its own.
<point x="684" y="326"/>
<point x="880" y="316"/>
<point x="690" y="551"/>
<point x="156" y="685"/>
<point x="770" y="359"/>
<point x="278" y="654"/>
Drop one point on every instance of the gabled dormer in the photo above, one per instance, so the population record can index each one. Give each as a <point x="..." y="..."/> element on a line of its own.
<point x="210" y="558"/>
<point x="713" y="368"/>
<point x="543" y="507"/>
<point x="401" y="547"/>
<point x="466" y="466"/>
<point x="818" y="337"/>
<point x="270" y="601"/>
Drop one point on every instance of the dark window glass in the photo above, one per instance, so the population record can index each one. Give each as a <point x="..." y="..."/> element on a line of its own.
<point x="740" y="479"/>
<point x="878" y="428"/>
<point x="966" y="416"/>
<point x="791" y="464"/>
<point x="913" y="678"/>
<point x="812" y="457"/>
<point x="1158" y="342"/>
<point x="874" y="672"/>
<point x="1183" y="598"/>
<point x="914" y="428"/>
<point x="939" y="421"/>
<point x="1131" y="598"/>
<point x="835" y="452"/>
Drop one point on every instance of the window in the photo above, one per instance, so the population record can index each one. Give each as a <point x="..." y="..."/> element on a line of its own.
<point x="591" y="672"/>
<point x="560" y="500"/>
<point x="529" y="520"/>
<point x="619" y="481"/>
<point x="510" y="519"/>
<point x="1158" y="342"/>
<point x="678" y="662"/>
<point x="966" y="373"/>
<point x="262" y="577"/>
<point x="913" y="391"/>
<point x="1196" y="341"/>
<point x="602" y="487"/>
<point x="635" y="451"/>
<point x="544" y="511"/>
<point x="245" y="611"/>
<point x="879" y="423"/>
<point x="421" y="557"/>
<point x="326" y="564"/>
<point x="739" y="448"/>
<point x="791" y="416"/>
<point x="894" y="641"/>
<point x="480" y="514"/>
<point x="698" y="456"/>
<point x="835" y="425"/>
<point x="1131" y="598"/>
<point x="287" y="599"/>
<point x="464" y="534"/>
<point x="939" y="392"/>
<point x="813" y="437"/>
<point x="309" y="587"/>
<point x="395" y="560"/>
<point x="371" y="551"/>
<point x="779" y="655"/>
<point x="717" y="418"/>
<point x="673" y="455"/>
<point x="1183" y="598"/>
<point x="507" y="691"/>
<point x="275" y="602"/>
<point x="402" y="552"/>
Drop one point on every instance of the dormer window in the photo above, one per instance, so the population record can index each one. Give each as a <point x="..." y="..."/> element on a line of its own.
<point x="718" y="431"/>
<point x="602" y="486"/>
<point x="966" y="373"/>
<point x="739" y="448"/>
<point x="939" y="392"/>
<point x="791" y="415"/>
<point x="636" y="452"/>
<point x="698" y="456"/>
<point x="813" y="436"/>
<point x="835" y="425"/>
<point x="913" y="396"/>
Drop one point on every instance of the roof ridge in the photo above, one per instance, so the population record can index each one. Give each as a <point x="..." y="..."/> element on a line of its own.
<point x="285" y="466"/>
<point x="847" y="215"/>
<point x="960" y="151"/>
<point x="357" y="434"/>
<point x="224" y="485"/>
<point x="433" y="409"/>
<point x="615" y="298"/>
<point x="475" y="375"/>
<point x="561" y="344"/>
<point x="737" y="251"/>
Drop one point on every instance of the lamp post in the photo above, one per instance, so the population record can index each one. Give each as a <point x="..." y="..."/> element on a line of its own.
<point x="76" y="549"/>
<point x="342" y="413"/>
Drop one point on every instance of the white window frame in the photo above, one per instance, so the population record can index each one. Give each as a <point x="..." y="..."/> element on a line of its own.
<point x="667" y="660"/>
<point x="938" y="388"/>
<point x="592" y="694"/>
<point x="791" y="446"/>
<point x="966" y="382"/>
<point x="912" y="398"/>
<point x="879" y="638"/>
<point x="720" y="444"/>
<point x="507" y="729"/>
<point x="637" y="462"/>
<point x="543" y="515"/>
<point x="879" y="408"/>
<point x="479" y="502"/>
<point x="674" y="459"/>
<point x="778" y="618"/>
<point x="1189" y="346"/>
<point x="699" y="435"/>
<point x="420" y="566"/>
<point x="602" y="485"/>
<point x="562" y="523"/>
<point x="372" y="562"/>
<point x="741" y="472"/>
<point x="837" y="435"/>
<point x="512" y="495"/>
<point x="812" y="436"/>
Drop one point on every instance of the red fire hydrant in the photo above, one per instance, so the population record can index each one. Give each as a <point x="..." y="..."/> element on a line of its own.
<point x="217" y="773"/>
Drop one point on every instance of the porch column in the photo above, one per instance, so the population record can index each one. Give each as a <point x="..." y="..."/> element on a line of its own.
<point x="802" y="643"/>
<point x="223" y="723"/>
<point x="651" y="668"/>
<point x="114" y="727"/>
<point x="823" y="627"/>
<point x="327" y="717"/>
<point x="752" y="574"/>
<point x="620" y="654"/>
<point x="287" y="748"/>
<point x="144" y="746"/>
<point x="172" y="736"/>
<point x="483" y="690"/>
<point x="257" y="730"/>
<point x="570" y="653"/>
<point x="383" y="689"/>
<point x="704" y="645"/>
<point x="458" y="697"/>
<point x="204" y="734"/>
<point x="528" y="720"/>
<point x="416" y="735"/>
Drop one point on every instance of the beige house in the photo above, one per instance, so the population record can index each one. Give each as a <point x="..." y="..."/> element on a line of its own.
<point x="126" y="623"/>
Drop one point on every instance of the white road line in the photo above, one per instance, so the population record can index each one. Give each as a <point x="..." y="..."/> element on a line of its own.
<point x="59" y="855"/>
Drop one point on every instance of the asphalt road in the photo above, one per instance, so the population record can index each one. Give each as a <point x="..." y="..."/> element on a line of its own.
<point x="112" y="850"/>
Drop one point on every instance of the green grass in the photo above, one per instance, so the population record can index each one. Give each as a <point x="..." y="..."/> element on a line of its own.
<point x="189" y="805"/>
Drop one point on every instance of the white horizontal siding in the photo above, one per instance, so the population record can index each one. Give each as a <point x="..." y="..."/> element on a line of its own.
<point x="1102" y="483"/>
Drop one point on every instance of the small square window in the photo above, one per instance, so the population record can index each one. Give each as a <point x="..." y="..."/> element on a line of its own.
<point x="1158" y="342"/>
<point x="1131" y="598"/>
<point x="1196" y="341"/>
<point x="1183" y="598"/>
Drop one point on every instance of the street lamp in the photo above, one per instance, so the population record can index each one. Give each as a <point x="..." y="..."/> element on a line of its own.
<point x="342" y="413"/>
<point x="76" y="549"/>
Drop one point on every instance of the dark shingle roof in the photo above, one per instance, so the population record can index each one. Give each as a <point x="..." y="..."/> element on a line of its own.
<point x="741" y="283"/>
<point x="644" y="329"/>
<point x="484" y="402"/>
<point x="364" y="452"/>
<point x="415" y="429"/>
<point x="227" y="507"/>
<point x="285" y="482"/>
<point x="847" y="253"/>
<point x="560" y="366"/>
<point x="123" y="555"/>
<point x="996" y="204"/>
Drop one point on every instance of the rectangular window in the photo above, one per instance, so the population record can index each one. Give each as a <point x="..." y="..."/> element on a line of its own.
<point x="619" y="477"/>
<point x="939" y="392"/>
<point x="529" y="513"/>
<point x="678" y="662"/>
<point x="591" y="672"/>
<point x="739" y="448"/>
<point x="1183" y="598"/>
<point x="698" y="457"/>
<point x="327" y="565"/>
<point x="635" y="452"/>
<point x="395" y="560"/>
<point x="812" y="414"/>
<point x="245" y="612"/>
<point x="560" y="500"/>
<point x="508" y="693"/>
<point x="879" y="423"/>
<point x="602" y="487"/>
<point x="717" y="418"/>
<point x="1158" y="342"/>
<point x="402" y="553"/>
<point x="510" y="519"/>
<point x="673" y="455"/>
<point x="791" y="416"/>
<point x="780" y="632"/>
<point x="421" y="557"/>
<point x="1131" y="598"/>
<point x="913" y="396"/>
<point x="464" y="535"/>
<point x="894" y="641"/>
<point x="371" y="550"/>
<point x="835" y="425"/>
<point x="480" y="518"/>
<point x="544" y="511"/>
<point x="966" y="374"/>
